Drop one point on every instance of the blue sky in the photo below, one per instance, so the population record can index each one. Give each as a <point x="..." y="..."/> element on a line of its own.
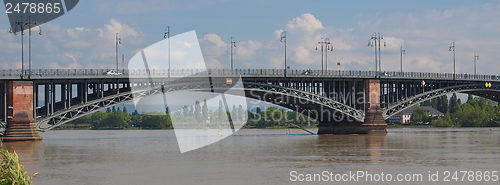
<point x="84" y="37"/>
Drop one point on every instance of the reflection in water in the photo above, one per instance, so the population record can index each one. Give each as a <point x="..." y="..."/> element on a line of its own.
<point x="374" y="145"/>
<point x="251" y="156"/>
<point x="351" y="148"/>
<point x="27" y="150"/>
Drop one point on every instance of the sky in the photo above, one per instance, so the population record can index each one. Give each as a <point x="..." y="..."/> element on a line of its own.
<point x="84" y="37"/>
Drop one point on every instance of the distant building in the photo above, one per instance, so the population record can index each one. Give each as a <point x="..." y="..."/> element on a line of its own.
<point x="404" y="116"/>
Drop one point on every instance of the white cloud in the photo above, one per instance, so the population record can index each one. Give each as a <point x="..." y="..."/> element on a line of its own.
<point x="78" y="47"/>
<point x="306" y="22"/>
<point x="426" y="36"/>
<point x="247" y="49"/>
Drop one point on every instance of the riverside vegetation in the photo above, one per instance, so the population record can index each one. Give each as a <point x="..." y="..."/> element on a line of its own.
<point x="476" y="112"/>
<point x="11" y="170"/>
<point x="116" y="118"/>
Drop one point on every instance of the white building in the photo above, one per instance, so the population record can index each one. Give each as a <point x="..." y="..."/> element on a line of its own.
<point x="404" y="116"/>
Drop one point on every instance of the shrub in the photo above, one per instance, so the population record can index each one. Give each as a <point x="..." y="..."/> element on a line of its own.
<point x="11" y="170"/>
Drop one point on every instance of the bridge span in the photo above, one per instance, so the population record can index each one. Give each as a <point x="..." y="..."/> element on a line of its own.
<point x="343" y="102"/>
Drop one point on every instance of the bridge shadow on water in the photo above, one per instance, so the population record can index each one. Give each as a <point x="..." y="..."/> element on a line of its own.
<point x="369" y="147"/>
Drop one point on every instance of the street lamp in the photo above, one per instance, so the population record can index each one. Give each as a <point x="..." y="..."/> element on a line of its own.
<point x="452" y="48"/>
<point x="30" y="24"/>
<point x="376" y="42"/>
<point x="118" y="41"/>
<point x="233" y="45"/>
<point x="403" y="52"/>
<point x="325" y="46"/>
<point x="476" y="58"/>
<point x="283" y="40"/>
<point x="166" y="35"/>
<point x="20" y="23"/>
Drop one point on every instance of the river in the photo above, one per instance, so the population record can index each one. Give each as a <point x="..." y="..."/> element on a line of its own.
<point x="254" y="156"/>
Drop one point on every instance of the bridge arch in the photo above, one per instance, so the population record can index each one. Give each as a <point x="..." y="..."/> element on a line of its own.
<point x="290" y="98"/>
<point x="474" y="89"/>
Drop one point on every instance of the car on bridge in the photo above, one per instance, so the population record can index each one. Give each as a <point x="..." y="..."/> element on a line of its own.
<point x="112" y="73"/>
<point x="385" y="74"/>
<point x="307" y="72"/>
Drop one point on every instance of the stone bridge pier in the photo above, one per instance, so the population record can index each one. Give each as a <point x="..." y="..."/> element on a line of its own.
<point x="374" y="122"/>
<point x="20" y="120"/>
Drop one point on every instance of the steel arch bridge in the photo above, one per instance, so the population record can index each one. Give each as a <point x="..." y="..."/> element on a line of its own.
<point x="361" y="97"/>
<point x="292" y="99"/>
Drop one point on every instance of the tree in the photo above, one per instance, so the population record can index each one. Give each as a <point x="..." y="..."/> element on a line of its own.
<point x="469" y="98"/>
<point x="419" y="116"/>
<point x="205" y="110"/>
<point x="117" y="119"/>
<point x="445" y="121"/>
<point x="197" y="111"/>
<point x="434" y="103"/>
<point x="234" y="113"/>
<point x="476" y="113"/>
<point x="158" y="121"/>
<point x="241" y="113"/>
<point x="185" y="111"/>
<point x="442" y="104"/>
<point x="453" y="108"/>
<point x="220" y="112"/>
<point x="445" y="104"/>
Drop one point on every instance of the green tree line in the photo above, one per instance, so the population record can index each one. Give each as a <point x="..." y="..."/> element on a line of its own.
<point x="476" y="112"/>
<point x="194" y="116"/>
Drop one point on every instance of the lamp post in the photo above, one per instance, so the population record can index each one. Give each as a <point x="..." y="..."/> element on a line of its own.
<point x="452" y="48"/>
<point x="476" y="58"/>
<point x="20" y="23"/>
<point x="325" y="46"/>
<point x="376" y="42"/>
<point x="166" y="35"/>
<point x="30" y="24"/>
<point x="233" y="45"/>
<point x="118" y="41"/>
<point x="403" y="52"/>
<point x="283" y="40"/>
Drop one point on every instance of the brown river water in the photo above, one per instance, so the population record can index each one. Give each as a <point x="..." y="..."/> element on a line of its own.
<point x="261" y="156"/>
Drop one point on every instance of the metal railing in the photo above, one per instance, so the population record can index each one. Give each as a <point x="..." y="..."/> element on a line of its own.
<point x="104" y="73"/>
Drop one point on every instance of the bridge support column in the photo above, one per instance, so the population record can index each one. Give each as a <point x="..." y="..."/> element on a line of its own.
<point x="21" y="123"/>
<point x="374" y="122"/>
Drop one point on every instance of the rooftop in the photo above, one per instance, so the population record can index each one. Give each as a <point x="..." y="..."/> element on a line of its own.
<point x="429" y="109"/>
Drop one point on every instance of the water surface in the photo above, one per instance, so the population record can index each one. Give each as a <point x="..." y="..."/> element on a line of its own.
<point x="255" y="156"/>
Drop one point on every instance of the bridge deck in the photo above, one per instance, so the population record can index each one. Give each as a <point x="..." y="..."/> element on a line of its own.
<point x="125" y="74"/>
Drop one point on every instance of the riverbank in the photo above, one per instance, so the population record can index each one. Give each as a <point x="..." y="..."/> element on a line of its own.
<point x="86" y="126"/>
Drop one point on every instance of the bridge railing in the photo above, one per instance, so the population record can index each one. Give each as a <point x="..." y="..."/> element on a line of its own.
<point x="98" y="73"/>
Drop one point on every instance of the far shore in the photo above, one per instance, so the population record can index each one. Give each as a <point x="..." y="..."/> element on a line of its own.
<point x="74" y="127"/>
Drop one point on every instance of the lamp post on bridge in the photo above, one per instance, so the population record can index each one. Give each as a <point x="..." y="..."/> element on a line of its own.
<point x="166" y="35"/>
<point x="283" y="40"/>
<point x="22" y="24"/>
<point x="325" y="46"/>
<point x="476" y="58"/>
<point x="118" y="41"/>
<point x="13" y="31"/>
<point x="30" y="24"/>
<point x="233" y="45"/>
<point x="376" y="42"/>
<point x="403" y="52"/>
<point x="452" y="48"/>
